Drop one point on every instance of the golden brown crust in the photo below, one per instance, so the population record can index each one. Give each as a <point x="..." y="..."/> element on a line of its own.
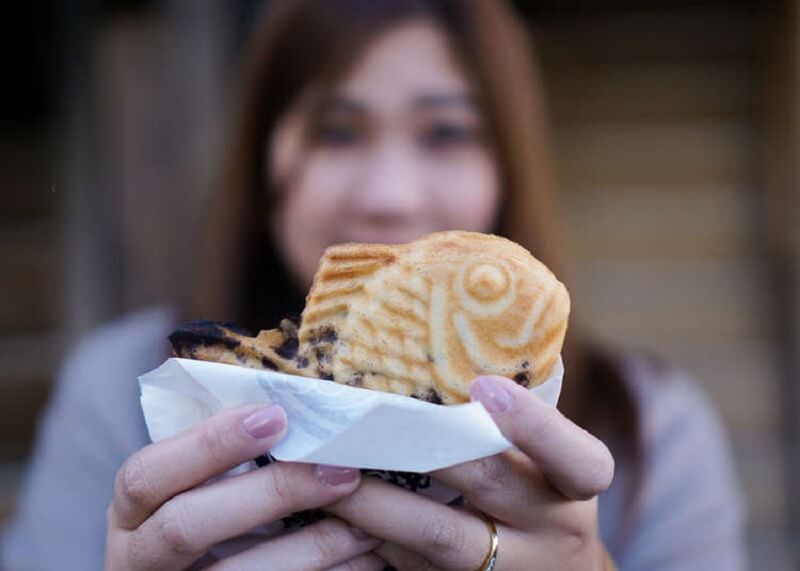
<point x="428" y="316"/>
<point x="419" y="319"/>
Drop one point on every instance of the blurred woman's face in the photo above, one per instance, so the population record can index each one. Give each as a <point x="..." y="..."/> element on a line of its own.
<point x="398" y="149"/>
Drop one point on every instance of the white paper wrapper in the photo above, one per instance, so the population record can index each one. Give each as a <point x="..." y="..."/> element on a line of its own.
<point x="329" y="423"/>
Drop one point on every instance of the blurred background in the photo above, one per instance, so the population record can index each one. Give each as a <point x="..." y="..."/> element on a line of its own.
<point x="675" y="129"/>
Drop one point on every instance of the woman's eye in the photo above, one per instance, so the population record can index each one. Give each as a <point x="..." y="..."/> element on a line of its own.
<point x="336" y="135"/>
<point x="447" y="135"/>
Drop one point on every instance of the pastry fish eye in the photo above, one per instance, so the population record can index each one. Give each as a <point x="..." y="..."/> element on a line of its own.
<point x="486" y="282"/>
<point x="485" y="288"/>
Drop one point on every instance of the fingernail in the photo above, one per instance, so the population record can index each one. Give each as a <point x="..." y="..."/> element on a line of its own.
<point x="491" y="394"/>
<point x="264" y="422"/>
<point x="335" y="475"/>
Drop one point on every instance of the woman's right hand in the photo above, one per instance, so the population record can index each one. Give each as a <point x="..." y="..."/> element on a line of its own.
<point x="162" y="518"/>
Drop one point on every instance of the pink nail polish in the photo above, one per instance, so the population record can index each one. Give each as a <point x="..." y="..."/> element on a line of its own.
<point x="491" y="394"/>
<point x="335" y="475"/>
<point x="265" y="422"/>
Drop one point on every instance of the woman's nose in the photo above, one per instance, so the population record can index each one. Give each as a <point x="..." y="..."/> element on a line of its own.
<point x="392" y="182"/>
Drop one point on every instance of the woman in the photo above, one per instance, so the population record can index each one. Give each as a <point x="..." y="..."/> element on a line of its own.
<point x="377" y="121"/>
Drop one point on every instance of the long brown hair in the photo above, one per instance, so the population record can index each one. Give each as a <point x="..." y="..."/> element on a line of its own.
<point x="305" y="42"/>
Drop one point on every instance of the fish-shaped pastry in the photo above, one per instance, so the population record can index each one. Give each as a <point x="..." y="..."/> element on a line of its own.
<point x="424" y="318"/>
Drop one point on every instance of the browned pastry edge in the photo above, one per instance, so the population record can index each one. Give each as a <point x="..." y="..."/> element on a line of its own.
<point x="273" y="349"/>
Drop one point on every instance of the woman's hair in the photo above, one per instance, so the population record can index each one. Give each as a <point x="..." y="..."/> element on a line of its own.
<point x="305" y="43"/>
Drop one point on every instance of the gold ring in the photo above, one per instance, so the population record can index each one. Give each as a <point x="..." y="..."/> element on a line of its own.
<point x="491" y="558"/>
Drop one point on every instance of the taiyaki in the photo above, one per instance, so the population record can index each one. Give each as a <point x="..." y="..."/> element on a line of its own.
<point x="420" y="319"/>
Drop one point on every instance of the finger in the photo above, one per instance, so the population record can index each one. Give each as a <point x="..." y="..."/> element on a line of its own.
<point x="366" y="562"/>
<point x="183" y="528"/>
<point x="507" y="486"/>
<point x="322" y="545"/>
<point x="575" y="462"/>
<point x="159" y="471"/>
<point x="402" y="559"/>
<point x="449" y="538"/>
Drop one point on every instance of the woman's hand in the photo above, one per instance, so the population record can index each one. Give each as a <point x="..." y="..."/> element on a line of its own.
<point x="542" y="496"/>
<point x="162" y="518"/>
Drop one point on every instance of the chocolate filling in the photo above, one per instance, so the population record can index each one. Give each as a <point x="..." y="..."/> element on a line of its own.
<point x="187" y="337"/>
<point x="288" y="349"/>
<point x="522" y="378"/>
<point x="409" y="480"/>
<point x="268" y="364"/>
<point x="430" y="396"/>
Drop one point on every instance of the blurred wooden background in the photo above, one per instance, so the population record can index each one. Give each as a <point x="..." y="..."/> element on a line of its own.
<point x="661" y="117"/>
<point x="674" y="126"/>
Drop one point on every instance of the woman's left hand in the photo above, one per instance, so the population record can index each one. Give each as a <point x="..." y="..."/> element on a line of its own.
<point x="542" y="495"/>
